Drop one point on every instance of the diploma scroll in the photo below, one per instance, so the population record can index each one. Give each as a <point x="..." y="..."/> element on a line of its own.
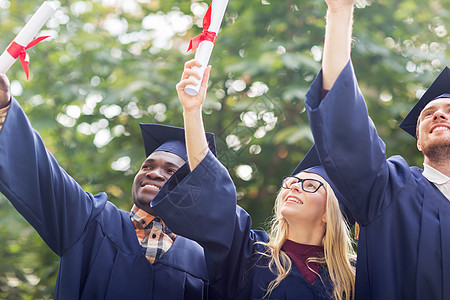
<point x="211" y="26"/>
<point x="24" y="38"/>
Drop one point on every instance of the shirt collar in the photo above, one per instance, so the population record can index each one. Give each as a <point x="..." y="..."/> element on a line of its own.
<point x="141" y="216"/>
<point x="434" y="175"/>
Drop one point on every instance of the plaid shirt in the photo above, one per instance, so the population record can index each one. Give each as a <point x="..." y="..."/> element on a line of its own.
<point x="3" y="112"/>
<point x="153" y="235"/>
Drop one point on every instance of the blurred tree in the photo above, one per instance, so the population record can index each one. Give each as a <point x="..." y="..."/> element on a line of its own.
<point x="111" y="64"/>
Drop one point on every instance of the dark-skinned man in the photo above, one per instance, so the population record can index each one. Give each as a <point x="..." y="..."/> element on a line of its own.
<point x="106" y="253"/>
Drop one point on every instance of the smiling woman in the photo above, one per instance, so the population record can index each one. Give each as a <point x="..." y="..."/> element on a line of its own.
<point x="308" y="213"/>
<point x="307" y="254"/>
<point x="308" y="209"/>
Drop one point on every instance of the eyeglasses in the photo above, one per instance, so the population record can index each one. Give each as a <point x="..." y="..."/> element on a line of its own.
<point x="308" y="185"/>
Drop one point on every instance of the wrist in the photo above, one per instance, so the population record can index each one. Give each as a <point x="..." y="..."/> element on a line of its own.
<point x="192" y="111"/>
<point x="341" y="10"/>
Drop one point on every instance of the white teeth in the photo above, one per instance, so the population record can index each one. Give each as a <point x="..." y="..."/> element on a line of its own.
<point x="295" y="200"/>
<point x="441" y="128"/>
<point x="154" y="186"/>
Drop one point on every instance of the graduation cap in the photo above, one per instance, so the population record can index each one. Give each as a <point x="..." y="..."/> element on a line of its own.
<point x="440" y="88"/>
<point x="311" y="164"/>
<point x="171" y="139"/>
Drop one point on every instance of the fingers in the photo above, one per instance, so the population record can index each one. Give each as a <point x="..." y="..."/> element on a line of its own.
<point x="183" y="83"/>
<point x="190" y="63"/>
<point x="190" y="72"/>
<point x="188" y="69"/>
<point x="191" y="76"/>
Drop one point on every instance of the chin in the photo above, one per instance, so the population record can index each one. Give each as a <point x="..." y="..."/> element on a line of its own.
<point x="287" y="214"/>
<point x="438" y="150"/>
<point x="283" y="212"/>
<point x="143" y="202"/>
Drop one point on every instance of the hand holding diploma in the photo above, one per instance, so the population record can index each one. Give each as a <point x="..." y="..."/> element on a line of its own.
<point x="205" y="41"/>
<point x="24" y="40"/>
<point x="196" y="143"/>
<point x="189" y="76"/>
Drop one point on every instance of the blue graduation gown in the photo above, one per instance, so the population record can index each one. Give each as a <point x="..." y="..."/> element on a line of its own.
<point x="101" y="257"/>
<point x="201" y="205"/>
<point x="404" y="243"/>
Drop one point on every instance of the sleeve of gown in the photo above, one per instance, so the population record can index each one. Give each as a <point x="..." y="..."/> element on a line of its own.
<point x="350" y="149"/>
<point x="41" y="191"/>
<point x="201" y="205"/>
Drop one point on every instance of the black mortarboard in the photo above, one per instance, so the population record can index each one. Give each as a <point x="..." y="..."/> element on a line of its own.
<point x="168" y="138"/>
<point x="440" y="88"/>
<point x="311" y="164"/>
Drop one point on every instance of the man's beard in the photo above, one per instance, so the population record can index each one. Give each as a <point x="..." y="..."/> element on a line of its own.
<point x="438" y="151"/>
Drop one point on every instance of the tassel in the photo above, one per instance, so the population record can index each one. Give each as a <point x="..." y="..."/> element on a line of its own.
<point x="356" y="231"/>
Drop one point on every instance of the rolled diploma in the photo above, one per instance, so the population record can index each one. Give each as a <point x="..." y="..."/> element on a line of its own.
<point x="28" y="32"/>
<point x="205" y="48"/>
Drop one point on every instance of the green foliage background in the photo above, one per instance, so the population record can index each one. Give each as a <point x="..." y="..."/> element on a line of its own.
<point x="114" y="63"/>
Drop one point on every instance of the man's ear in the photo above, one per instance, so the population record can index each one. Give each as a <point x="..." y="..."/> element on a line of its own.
<point x="418" y="145"/>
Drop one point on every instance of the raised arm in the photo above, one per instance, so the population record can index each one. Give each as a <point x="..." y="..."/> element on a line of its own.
<point x="196" y="144"/>
<point x="338" y="36"/>
<point x="352" y="153"/>
<point x="30" y="177"/>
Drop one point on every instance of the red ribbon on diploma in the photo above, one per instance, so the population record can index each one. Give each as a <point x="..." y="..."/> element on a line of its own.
<point x="16" y="50"/>
<point x="205" y="35"/>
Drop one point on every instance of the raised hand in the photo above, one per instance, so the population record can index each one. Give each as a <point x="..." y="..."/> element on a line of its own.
<point x="196" y="143"/>
<point x="338" y="38"/>
<point x="192" y="102"/>
<point x="5" y="94"/>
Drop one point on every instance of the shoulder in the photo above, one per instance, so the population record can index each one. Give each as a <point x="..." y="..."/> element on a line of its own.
<point x="261" y="254"/>
<point x="399" y="169"/>
<point x="259" y="236"/>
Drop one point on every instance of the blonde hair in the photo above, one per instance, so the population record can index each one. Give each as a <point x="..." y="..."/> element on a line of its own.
<point x="338" y="250"/>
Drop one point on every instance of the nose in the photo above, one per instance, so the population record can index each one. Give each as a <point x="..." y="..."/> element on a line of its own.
<point x="296" y="187"/>
<point x="439" y="114"/>
<point x="155" y="174"/>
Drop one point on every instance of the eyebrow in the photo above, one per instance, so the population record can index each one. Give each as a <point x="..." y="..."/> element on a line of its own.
<point x="167" y="163"/>
<point x="172" y="165"/>
<point x="433" y="107"/>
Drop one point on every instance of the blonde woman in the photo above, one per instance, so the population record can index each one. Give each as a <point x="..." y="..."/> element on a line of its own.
<point x="306" y="254"/>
